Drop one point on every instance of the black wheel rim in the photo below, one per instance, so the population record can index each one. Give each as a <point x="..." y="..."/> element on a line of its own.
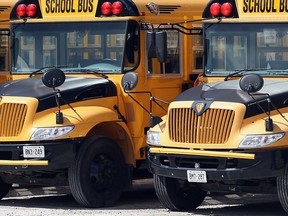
<point x="102" y="172"/>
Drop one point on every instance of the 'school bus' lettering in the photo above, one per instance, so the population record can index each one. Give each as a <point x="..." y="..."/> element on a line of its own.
<point x="69" y="6"/>
<point x="265" y="6"/>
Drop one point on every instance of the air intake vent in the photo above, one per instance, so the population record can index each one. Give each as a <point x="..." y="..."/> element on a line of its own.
<point x="4" y="9"/>
<point x="212" y="127"/>
<point x="12" y="117"/>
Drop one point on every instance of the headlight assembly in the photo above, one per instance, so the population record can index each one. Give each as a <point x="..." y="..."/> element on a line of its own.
<point x="50" y="132"/>
<point x="257" y="141"/>
<point x="153" y="138"/>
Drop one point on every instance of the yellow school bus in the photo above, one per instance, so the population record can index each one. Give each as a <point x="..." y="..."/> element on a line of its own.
<point x="5" y="9"/>
<point x="229" y="135"/>
<point x="79" y="119"/>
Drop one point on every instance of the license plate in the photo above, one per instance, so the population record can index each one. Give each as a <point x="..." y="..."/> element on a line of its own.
<point x="196" y="176"/>
<point x="33" y="152"/>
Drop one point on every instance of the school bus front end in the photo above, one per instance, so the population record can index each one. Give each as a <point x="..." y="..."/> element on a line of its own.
<point x="66" y="118"/>
<point x="229" y="135"/>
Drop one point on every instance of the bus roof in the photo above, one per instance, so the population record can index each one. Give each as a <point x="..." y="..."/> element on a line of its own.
<point x="157" y="11"/>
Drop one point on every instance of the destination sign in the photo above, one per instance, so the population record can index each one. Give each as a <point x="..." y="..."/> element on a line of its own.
<point x="265" y="6"/>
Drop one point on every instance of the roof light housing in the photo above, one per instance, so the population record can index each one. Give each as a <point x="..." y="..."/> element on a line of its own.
<point x="25" y="9"/>
<point x="220" y="9"/>
<point x="119" y="8"/>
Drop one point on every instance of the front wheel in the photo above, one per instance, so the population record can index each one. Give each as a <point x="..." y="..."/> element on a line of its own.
<point x="98" y="174"/>
<point x="282" y="188"/>
<point x="178" y="195"/>
<point x="4" y="188"/>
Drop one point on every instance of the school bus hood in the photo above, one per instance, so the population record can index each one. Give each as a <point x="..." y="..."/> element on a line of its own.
<point x="229" y="91"/>
<point x="74" y="89"/>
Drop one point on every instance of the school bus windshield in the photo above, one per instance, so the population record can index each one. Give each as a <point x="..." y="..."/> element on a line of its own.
<point x="234" y="47"/>
<point x="75" y="47"/>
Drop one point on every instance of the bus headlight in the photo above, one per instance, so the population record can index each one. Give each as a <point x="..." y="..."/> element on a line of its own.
<point x="153" y="138"/>
<point x="50" y="132"/>
<point x="256" y="141"/>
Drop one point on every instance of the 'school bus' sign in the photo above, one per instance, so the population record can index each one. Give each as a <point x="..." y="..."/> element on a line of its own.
<point x="265" y="6"/>
<point x="53" y="7"/>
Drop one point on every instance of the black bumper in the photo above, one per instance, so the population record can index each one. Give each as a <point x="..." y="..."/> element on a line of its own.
<point x="59" y="155"/>
<point x="268" y="163"/>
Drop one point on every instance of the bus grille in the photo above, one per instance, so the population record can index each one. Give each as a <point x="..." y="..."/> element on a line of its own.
<point x="12" y="117"/>
<point x="212" y="127"/>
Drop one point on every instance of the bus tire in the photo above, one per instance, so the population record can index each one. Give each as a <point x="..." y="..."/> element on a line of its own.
<point x="178" y="195"/>
<point x="98" y="174"/>
<point x="4" y="188"/>
<point x="282" y="188"/>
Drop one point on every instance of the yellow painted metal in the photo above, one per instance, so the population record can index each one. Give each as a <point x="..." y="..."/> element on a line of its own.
<point x="202" y="153"/>
<point x="24" y="162"/>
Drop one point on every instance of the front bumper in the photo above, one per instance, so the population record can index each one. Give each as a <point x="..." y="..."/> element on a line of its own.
<point x="266" y="163"/>
<point x="58" y="155"/>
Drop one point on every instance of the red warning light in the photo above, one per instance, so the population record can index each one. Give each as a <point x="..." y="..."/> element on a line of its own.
<point x="31" y="10"/>
<point x="226" y="9"/>
<point x="21" y="10"/>
<point x="117" y="8"/>
<point x="106" y="8"/>
<point x="215" y="9"/>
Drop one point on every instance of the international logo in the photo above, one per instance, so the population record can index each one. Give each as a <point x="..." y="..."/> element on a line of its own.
<point x="153" y="8"/>
<point x="199" y="108"/>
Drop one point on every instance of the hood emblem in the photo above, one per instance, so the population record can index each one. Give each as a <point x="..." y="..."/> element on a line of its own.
<point x="199" y="108"/>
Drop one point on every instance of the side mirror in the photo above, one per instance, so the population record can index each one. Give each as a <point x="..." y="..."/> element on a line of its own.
<point x="53" y="77"/>
<point x="129" y="81"/>
<point x="161" y="46"/>
<point x="251" y="83"/>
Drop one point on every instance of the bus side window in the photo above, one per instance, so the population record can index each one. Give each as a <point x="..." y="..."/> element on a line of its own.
<point x="172" y="65"/>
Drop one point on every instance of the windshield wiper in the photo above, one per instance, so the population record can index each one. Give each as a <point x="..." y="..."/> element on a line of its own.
<point x="89" y="71"/>
<point x="244" y="70"/>
<point x="48" y="67"/>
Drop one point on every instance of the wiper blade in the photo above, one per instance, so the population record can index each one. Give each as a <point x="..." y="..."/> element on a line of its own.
<point x="244" y="70"/>
<point x="89" y="71"/>
<point x="48" y="67"/>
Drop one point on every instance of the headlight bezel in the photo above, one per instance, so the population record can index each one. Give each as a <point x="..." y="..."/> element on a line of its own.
<point x="260" y="140"/>
<point x="47" y="133"/>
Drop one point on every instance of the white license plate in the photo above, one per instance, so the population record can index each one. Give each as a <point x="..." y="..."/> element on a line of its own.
<point x="33" y="151"/>
<point x="196" y="176"/>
